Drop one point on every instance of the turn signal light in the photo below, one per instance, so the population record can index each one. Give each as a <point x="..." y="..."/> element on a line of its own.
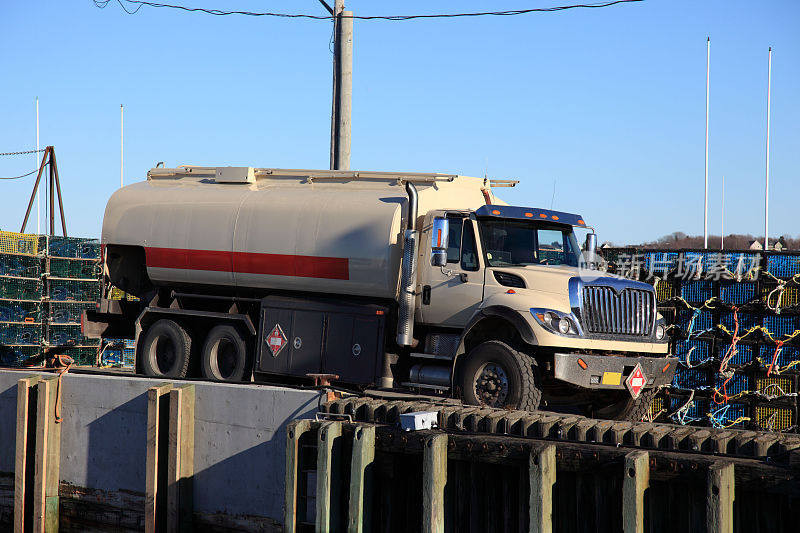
<point x="665" y="368"/>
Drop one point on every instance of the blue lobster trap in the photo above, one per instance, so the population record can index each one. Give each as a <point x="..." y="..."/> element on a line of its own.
<point x="745" y="353"/>
<point x="731" y="414"/>
<point x="737" y="293"/>
<point x="783" y="265"/>
<point x="696" y="292"/>
<point x="691" y="322"/>
<point x="696" y="410"/>
<point x="746" y="321"/>
<point x="691" y="378"/>
<point x="736" y="384"/>
<point x="781" y="326"/>
<point x="698" y="351"/>
<point x="788" y="355"/>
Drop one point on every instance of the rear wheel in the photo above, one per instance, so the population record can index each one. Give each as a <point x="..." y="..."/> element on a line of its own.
<point x="496" y="375"/>
<point x="224" y="356"/>
<point x="619" y="405"/>
<point x="165" y="350"/>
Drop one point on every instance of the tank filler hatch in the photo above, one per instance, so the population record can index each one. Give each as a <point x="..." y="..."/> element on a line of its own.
<point x="235" y="175"/>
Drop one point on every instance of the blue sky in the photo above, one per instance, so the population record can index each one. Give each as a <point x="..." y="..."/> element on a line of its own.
<point x="609" y="103"/>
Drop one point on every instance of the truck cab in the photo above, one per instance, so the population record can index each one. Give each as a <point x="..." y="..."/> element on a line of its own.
<point x="510" y="292"/>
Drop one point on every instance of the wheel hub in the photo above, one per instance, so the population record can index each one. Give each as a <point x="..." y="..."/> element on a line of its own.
<point x="491" y="385"/>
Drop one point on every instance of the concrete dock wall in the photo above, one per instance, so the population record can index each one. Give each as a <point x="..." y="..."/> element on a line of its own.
<point x="239" y="451"/>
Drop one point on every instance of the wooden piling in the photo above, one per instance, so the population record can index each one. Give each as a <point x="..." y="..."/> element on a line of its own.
<point x="180" y="459"/>
<point x="720" y="493"/>
<point x="328" y="433"/>
<point x="636" y="480"/>
<point x="434" y="474"/>
<point x="37" y="456"/>
<point x="155" y="513"/>
<point x="542" y="473"/>
<point x="360" y="504"/>
<point x="24" y="458"/>
<point x="294" y="432"/>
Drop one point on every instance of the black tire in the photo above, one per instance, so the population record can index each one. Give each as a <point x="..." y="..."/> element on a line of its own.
<point x="485" y="366"/>
<point x="224" y="355"/>
<point x="165" y="350"/>
<point x="620" y="406"/>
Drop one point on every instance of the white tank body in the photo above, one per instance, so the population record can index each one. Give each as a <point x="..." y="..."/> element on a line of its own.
<point x="287" y="233"/>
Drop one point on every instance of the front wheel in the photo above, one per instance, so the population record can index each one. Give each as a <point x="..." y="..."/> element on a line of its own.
<point x="494" y="374"/>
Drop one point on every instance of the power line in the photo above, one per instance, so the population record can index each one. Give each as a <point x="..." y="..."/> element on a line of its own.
<point x="22" y="153"/>
<point x="24" y="175"/>
<point x="219" y="12"/>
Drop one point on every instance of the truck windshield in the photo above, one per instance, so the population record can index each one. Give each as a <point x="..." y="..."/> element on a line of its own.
<point x="520" y="243"/>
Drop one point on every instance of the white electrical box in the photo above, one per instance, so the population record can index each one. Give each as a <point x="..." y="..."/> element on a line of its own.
<point x="419" y="420"/>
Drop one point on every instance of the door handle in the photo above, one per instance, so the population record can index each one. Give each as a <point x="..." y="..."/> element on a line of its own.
<point x="464" y="277"/>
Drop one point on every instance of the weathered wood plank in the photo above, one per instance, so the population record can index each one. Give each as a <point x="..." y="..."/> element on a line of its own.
<point x="434" y="474"/>
<point x="363" y="458"/>
<point x="542" y="472"/>
<point x="719" y="498"/>
<point x="635" y="481"/>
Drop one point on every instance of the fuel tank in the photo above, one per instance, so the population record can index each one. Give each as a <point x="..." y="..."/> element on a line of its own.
<point x="275" y="230"/>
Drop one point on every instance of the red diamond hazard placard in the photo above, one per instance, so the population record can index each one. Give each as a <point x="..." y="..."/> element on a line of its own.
<point x="636" y="381"/>
<point x="276" y="340"/>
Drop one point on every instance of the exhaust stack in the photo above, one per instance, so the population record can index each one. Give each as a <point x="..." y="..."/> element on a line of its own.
<point x="407" y="300"/>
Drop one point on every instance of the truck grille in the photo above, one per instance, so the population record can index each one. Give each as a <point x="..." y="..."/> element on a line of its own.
<point x="629" y="312"/>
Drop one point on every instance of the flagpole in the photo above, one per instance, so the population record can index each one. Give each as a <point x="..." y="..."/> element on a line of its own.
<point x="705" y="203"/>
<point x="766" y="186"/>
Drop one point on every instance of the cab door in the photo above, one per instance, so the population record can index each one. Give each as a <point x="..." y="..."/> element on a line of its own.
<point x="451" y="294"/>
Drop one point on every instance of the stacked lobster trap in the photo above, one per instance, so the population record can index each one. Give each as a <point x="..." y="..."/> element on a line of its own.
<point x="734" y="323"/>
<point x="45" y="284"/>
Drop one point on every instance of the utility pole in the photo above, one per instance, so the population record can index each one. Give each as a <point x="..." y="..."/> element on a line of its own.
<point x="121" y="152"/>
<point x="341" y="105"/>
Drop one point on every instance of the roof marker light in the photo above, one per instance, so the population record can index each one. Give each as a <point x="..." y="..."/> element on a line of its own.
<point x="495" y="212"/>
<point x="529" y="215"/>
<point x="554" y="217"/>
<point x="581" y="222"/>
<point x="542" y="215"/>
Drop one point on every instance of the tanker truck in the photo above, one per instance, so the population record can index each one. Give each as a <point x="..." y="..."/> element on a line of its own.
<point x="424" y="283"/>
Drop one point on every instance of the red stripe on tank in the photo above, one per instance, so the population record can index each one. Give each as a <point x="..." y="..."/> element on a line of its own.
<point x="304" y="266"/>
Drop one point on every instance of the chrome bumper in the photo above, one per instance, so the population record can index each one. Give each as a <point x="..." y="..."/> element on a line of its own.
<point x="610" y="372"/>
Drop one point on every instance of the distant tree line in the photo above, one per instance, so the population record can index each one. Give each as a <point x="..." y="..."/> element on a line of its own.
<point x="736" y="241"/>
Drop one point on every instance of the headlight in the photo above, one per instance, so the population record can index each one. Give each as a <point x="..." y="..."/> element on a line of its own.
<point x="557" y="322"/>
<point x="661" y="331"/>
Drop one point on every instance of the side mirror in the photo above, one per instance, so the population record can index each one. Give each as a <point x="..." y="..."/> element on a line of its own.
<point x="439" y="233"/>
<point x="590" y="249"/>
